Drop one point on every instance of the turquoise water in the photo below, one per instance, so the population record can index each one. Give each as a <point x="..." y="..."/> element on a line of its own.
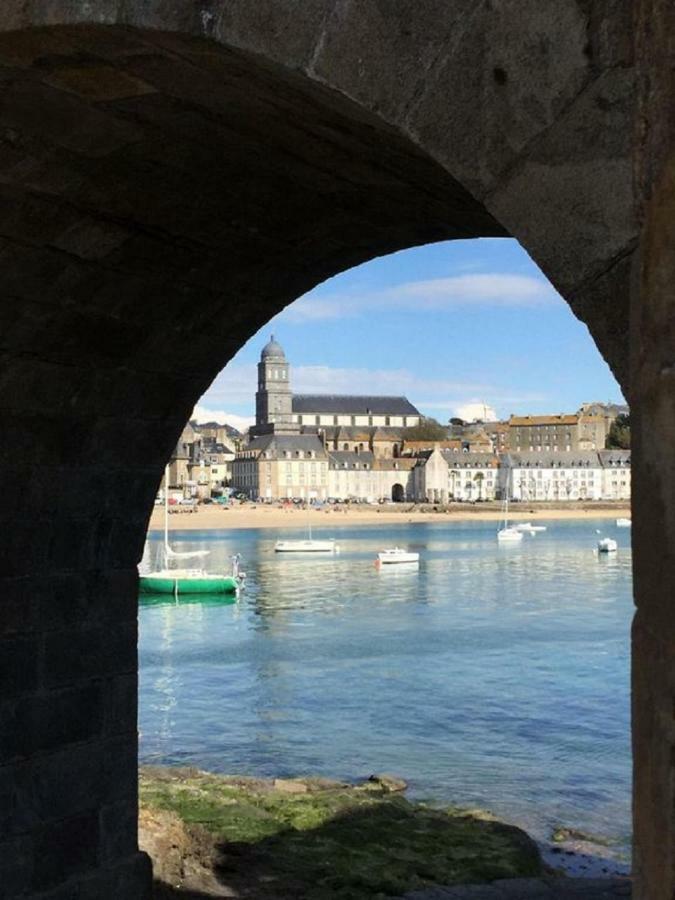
<point x="496" y="676"/>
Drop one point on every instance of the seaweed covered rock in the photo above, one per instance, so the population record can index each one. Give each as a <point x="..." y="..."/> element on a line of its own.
<point x="320" y="839"/>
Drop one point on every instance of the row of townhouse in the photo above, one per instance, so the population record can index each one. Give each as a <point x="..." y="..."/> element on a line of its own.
<point x="601" y="475"/>
<point x="274" y="467"/>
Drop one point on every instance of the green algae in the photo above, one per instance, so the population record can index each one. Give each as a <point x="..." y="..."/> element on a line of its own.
<point x="318" y="840"/>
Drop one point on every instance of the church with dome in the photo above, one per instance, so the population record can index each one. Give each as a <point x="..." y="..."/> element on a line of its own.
<point x="315" y="446"/>
<point x="278" y="410"/>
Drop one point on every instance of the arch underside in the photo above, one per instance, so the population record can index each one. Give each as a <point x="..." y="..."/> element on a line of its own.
<point x="161" y="197"/>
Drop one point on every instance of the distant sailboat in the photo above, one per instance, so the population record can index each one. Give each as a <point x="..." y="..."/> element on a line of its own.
<point x="307" y="545"/>
<point x="508" y="534"/>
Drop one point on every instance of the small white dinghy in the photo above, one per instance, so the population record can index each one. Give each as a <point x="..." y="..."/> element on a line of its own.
<point x="529" y="528"/>
<point x="396" y="555"/>
<point x="607" y="545"/>
<point x="623" y="523"/>
<point x="306" y="546"/>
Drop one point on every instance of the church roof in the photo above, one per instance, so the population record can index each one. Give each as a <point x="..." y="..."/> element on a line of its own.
<point x="272" y="349"/>
<point x="280" y="443"/>
<point x="361" y="405"/>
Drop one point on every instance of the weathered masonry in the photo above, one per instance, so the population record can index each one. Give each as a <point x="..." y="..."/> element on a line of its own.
<point x="171" y="175"/>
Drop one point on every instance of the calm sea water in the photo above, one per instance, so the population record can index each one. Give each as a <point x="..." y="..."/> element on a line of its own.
<point x="496" y="676"/>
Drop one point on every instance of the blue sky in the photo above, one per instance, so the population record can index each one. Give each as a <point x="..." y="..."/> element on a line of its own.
<point x="455" y="326"/>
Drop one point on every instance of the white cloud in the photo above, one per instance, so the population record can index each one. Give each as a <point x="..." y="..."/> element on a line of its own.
<point x="472" y="411"/>
<point x="236" y="384"/>
<point x="202" y="414"/>
<point x="442" y="398"/>
<point x="497" y="289"/>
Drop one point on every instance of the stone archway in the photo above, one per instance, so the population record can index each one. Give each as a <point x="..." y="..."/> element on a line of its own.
<point x="171" y="175"/>
<point x="398" y="493"/>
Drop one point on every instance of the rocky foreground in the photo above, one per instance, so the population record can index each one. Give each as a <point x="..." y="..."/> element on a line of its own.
<point x="316" y="839"/>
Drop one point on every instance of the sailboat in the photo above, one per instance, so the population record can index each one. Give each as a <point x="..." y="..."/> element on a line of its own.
<point x="308" y="545"/>
<point x="177" y="581"/>
<point x="508" y="533"/>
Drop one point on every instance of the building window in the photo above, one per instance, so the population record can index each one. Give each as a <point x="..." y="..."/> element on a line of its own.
<point x="353" y="420"/>
<point x="317" y="420"/>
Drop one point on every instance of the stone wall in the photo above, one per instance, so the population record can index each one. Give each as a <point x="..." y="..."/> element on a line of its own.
<point x="653" y="379"/>
<point x="161" y="197"/>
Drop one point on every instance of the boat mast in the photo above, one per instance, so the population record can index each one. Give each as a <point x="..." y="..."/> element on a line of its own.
<point x="166" y="515"/>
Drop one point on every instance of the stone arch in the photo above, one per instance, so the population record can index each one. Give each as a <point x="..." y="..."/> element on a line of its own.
<point x="172" y="175"/>
<point x="398" y="493"/>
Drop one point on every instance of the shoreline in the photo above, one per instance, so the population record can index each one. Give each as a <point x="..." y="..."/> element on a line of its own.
<point x="213" y="517"/>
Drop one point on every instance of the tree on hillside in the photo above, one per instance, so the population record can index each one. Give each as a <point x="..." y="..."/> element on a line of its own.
<point x="427" y="430"/>
<point x="619" y="433"/>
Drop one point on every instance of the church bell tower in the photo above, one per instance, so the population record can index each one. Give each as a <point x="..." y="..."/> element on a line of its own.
<point x="273" y="399"/>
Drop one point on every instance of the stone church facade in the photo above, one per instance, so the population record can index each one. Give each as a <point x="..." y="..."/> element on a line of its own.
<point x="315" y="446"/>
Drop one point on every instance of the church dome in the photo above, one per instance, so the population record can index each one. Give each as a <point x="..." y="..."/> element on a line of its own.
<point x="272" y="350"/>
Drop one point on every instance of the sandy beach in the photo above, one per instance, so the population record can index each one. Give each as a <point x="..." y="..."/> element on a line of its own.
<point x="251" y="515"/>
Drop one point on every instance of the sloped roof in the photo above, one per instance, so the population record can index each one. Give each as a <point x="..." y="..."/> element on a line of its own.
<point x="470" y="460"/>
<point x="570" y="459"/>
<point x="544" y="420"/>
<point x="612" y="458"/>
<point x="280" y="443"/>
<point x="355" y="405"/>
<point x="338" y="458"/>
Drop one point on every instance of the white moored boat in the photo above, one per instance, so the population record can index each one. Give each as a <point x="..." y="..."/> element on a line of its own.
<point x="509" y="534"/>
<point x="397" y="555"/>
<point x="607" y="545"/>
<point x="529" y="528"/>
<point x="306" y="546"/>
<point x="623" y="523"/>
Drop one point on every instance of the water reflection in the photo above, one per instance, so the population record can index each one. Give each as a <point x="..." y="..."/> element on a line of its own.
<point x="481" y="676"/>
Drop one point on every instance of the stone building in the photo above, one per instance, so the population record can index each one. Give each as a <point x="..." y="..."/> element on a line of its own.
<point x="365" y="476"/>
<point x="444" y="475"/>
<point x="200" y="463"/>
<point x="277" y="408"/>
<point x="587" y="429"/>
<point x="383" y="443"/>
<point x="282" y="466"/>
<point x="557" y="433"/>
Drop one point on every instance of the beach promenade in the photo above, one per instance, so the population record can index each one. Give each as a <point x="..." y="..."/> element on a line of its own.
<point x="251" y="515"/>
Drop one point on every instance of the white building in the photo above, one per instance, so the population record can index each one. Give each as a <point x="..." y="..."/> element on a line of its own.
<point x="616" y="481"/>
<point x="580" y="475"/>
<point x="444" y="475"/>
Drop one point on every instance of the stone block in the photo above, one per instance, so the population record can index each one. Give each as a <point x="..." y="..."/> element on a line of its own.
<point x="121" y="704"/>
<point x="119" y="831"/>
<point x="40" y="111"/>
<point x="97" y="82"/>
<point x="19" y="607"/>
<point x="16" y="866"/>
<point x="65" y="848"/>
<point x="72" y="657"/>
<point x="129" y="879"/>
<point x="65" y="717"/>
<point x="19" y="666"/>
<point x="66" y="783"/>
